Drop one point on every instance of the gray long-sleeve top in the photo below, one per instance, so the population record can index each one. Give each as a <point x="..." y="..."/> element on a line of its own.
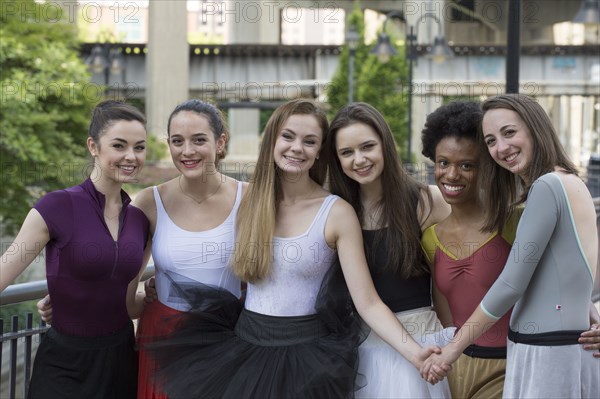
<point x="547" y="276"/>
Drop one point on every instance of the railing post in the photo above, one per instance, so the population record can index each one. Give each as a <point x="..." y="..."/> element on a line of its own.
<point x="27" y="354"/>
<point x="13" y="359"/>
<point x="1" y="347"/>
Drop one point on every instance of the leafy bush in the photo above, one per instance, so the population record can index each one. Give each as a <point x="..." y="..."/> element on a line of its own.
<point x="45" y="102"/>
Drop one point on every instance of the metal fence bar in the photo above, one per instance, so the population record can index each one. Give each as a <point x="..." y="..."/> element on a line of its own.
<point x="12" y="338"/>
<point x="27" y="354"/>
<point x="1" y="347"/>
<point x="13" y="359"/>
<point x="23" y="292"/>
<point x="596" y="296"/>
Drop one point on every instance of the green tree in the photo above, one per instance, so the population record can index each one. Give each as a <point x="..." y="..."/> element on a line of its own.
<point x="337" y="90"/>
<point x="45" y="103"/>
<point x="383" y="85"/>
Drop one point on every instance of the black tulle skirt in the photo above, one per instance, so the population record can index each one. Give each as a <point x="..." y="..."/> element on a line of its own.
<point x="222" y="351"/>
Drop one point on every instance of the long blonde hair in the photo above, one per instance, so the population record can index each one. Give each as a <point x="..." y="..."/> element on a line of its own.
<point x="258" y="209"/>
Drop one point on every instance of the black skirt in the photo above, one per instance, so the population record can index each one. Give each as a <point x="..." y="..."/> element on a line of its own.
<point x="85" y="367"/>
<point x="222" y="351"/>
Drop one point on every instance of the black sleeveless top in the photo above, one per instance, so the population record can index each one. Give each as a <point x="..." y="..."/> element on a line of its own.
<point x="397" y="293"/>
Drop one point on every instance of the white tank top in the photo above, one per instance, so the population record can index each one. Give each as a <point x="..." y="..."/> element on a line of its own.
<point x="200" y="256"/>
<point x="299" y="265"/>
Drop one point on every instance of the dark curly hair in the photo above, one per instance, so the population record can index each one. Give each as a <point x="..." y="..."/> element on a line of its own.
<point x="460" y="119"/>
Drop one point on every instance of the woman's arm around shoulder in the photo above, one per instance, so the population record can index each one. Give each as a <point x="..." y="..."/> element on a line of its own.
<point x="30" y="241"/>
<point x="434" y="212"/>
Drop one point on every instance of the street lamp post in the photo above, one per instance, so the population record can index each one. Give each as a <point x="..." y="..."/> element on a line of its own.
<point x="106" y="59"/>
<point x="352" y="41"/>
<point x="384" y="50"/>
<point x="513" y="46"/>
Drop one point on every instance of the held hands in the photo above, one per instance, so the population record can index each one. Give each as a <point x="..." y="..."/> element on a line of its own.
<point x="420" y="359"/>
<point x="44" y="307"/>
<point x="150" y="288"/>
<point x="591" y="340"/>
<point x="437" y="365"/>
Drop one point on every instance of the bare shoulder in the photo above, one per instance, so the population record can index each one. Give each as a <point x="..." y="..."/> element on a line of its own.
<point x="144" y="199"/>
<point x="245" y="184"/>
<point x="342" y="207"/>
<point x="342" y="222"/>
<point x="570" y="179"/>
<point x="575" y="188"/>
<point x="432" y="212"/>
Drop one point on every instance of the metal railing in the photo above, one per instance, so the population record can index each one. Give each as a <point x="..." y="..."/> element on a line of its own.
<point x="13" y="364"/>
<point x="38" y="289"/>
<point x="19" y="367"/>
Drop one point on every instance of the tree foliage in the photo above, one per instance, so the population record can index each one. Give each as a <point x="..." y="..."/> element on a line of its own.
<point x="383" y="85"/>
<point x="337" y="91"/>
<point x="45" y="103"/>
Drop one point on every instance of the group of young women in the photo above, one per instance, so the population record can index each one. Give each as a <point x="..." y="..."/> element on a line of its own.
<point x="281" y="288"/>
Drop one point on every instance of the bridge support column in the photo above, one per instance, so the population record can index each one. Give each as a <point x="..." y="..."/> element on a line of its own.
<point x="249" y="29"/>
<point x="167" y="63"/>
<point x="243" y="144"/>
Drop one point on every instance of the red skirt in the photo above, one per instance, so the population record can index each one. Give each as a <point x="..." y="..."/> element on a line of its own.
<point x="153" y="326"/>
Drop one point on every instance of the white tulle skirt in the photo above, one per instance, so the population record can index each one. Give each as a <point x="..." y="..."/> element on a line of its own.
<point x="389" y="375"/>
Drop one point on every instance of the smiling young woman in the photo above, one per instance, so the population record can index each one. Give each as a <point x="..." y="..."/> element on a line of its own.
<point x="393" y="209"/>
<point x="94" y="240"/>
<point x="192" y="223"/>
<point x="465" y="261"/>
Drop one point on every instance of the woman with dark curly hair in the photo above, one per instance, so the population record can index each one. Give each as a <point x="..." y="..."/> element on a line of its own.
<point x="465" y="261"/>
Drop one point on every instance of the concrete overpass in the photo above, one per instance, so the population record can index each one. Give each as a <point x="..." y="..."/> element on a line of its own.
<point x="248" y="77"/>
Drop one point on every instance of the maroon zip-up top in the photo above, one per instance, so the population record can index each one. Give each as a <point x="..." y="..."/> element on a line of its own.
<point x="87" y="271"/>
